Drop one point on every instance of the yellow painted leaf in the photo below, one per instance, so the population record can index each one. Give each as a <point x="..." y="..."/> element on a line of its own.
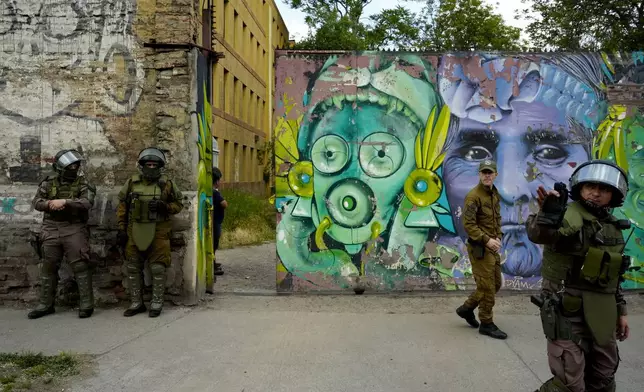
<point x="438" y="162"/>
<point x="427" y="137"/>
<point x="438" y="136"/>
<point x="620" y="146"/>
<point x="418" y="153"/>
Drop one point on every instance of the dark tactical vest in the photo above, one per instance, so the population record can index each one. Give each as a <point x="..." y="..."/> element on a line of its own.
<point x="67" y="190"/>
<point x="588" y="257"/>
<point x="143" y="219"/>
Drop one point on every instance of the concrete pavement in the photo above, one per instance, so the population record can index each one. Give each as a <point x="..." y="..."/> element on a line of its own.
<point x="309" y="343"/>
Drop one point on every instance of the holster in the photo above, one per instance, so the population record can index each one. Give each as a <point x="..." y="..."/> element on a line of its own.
<point x="478" y="249"/>
<point x="553" y="310"/>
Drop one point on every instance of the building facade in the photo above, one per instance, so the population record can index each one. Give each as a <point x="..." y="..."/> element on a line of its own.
<point x="111" y="77"/>
<point x="247" y="32"/>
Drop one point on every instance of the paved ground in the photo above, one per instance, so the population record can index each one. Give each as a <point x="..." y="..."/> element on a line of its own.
<point x="313" y="343"/>
<point x="247" y="270"/>
<point x="306" y="343"/>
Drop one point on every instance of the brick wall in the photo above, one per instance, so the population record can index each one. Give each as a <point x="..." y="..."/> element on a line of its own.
<point x="77" y="75"/>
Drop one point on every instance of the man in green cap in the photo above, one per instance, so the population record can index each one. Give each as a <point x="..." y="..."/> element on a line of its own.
<point x="582" y="307"/>
<point x="147" y="200"/>
<point x="482" y="223"/>
<point x="66" y="200"/>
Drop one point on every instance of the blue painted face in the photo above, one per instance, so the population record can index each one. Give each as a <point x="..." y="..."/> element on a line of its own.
<point x="361" y="156"/>
<point x="533" y="145"/>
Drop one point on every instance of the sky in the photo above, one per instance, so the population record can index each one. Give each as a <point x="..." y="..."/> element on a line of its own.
<point x="298" y="29"/>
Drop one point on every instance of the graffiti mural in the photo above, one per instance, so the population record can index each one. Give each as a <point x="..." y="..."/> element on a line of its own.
<point x="375" y="152"/>
<point x="205" y="253"/>
<point x="66" y="68"/>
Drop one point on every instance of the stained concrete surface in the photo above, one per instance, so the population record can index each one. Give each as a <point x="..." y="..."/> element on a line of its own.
<point x="308" y="343"/>
<point x="247" y="270"/>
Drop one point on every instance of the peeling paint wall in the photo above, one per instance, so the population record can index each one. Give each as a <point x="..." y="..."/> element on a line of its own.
<point x="375" y="152"/>
<point x="77" y="74"/>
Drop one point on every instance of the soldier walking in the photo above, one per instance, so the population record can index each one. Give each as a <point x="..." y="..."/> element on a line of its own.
<point x="66" y="199"/>
<point x="482" y="223"/>
<point x="146" y="202"/>
<point x="582" y="307"/>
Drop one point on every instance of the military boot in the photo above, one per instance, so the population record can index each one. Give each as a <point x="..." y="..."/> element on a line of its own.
<point x="490" y="329"/>
<point x="157" y="271"/>
<point x="83" y="276"/>
<point x="136" y="291"/>
<point x="467" y="314"/>
<point x="553" y="385"/>
<point x="48" y="284"/>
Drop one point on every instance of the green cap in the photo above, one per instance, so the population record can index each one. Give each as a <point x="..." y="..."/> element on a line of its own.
<point x="487" y="164"/>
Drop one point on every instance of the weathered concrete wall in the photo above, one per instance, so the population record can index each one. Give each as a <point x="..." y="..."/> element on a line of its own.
<point x="78" y="75"/>
<point x="375" y="152"/>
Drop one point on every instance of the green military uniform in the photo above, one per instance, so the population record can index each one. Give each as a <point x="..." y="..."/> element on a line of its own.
<point x="482" y="222"/>
<point x="65" y="233"/>
<point x="148" y="231"/>
<point x="581" y="269"/>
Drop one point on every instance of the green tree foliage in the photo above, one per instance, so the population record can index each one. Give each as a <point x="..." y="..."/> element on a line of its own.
<point x="472" y="25"/>
<point x="441" y="25"/>
<point x="586" y="25"/>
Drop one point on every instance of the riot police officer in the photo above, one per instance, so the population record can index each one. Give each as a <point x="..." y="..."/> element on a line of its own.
<point x="66" y="199"/>
<point x="147" y="200"/>
<point x="582" y="307"/>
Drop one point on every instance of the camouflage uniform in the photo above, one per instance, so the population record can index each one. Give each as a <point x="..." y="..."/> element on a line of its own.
<point x="65" y="233"/>
<point x="581" y="297"/>
<point x="482" y="221"/>
<point x="143" y="214"/>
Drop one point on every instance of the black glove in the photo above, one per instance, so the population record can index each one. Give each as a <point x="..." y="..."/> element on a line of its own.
<point x="554" y="208"/>
<point x="121" y="238"/>
<point x="158" y="206"/>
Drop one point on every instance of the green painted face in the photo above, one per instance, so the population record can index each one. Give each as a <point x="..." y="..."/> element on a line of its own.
<point x="361" y="154"/>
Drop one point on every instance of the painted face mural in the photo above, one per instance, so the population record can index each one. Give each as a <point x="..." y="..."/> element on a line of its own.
<point x="376" y="152"/>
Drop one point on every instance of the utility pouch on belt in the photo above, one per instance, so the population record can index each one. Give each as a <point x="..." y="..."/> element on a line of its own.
<point x="600" y="267"/>
<point x="570" y="304"/>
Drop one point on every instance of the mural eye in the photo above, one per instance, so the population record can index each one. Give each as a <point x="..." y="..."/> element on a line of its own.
<point x="477" y="153"/>
<point x="381" y="154"/>
<point x="330" y="154"/>
<point x="550" y="155"/>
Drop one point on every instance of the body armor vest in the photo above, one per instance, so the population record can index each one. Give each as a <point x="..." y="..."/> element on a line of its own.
<point x="143" y="219"/>
<point x="589" y="256"/>
<point x="60" y="190"/>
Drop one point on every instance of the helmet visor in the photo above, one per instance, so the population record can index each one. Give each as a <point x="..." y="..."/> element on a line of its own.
<point x="603" y="174"/>
<point x="68" y="158"/>
<point x="152" y="154"/>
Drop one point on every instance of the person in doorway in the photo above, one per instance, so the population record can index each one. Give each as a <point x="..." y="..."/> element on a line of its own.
<point x="147" y="200"/>
<point x="482" y="222"/>
<point x="219" y="205"/>
<point x="66" y="199"/>
<point x="583" y="310"/>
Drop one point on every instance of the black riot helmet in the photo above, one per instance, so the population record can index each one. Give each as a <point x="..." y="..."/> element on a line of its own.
<point x="151" y="154"/>
<point x="67" y="164"/>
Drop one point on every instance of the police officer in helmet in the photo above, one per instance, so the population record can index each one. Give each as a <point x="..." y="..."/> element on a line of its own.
<point x="146" y="202"/>
<point x="65" y="199"/>
<point x="582" y="307"/>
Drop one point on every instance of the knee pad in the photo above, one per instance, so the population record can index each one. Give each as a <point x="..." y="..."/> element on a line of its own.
<point x="79" y="266"/>
<point x="132" y="266"/>
<point x="157" y="269"/>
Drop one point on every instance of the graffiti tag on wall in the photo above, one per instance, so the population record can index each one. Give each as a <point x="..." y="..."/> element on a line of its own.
<point x="65" y="68"/>
<point x="375" y="152"/>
